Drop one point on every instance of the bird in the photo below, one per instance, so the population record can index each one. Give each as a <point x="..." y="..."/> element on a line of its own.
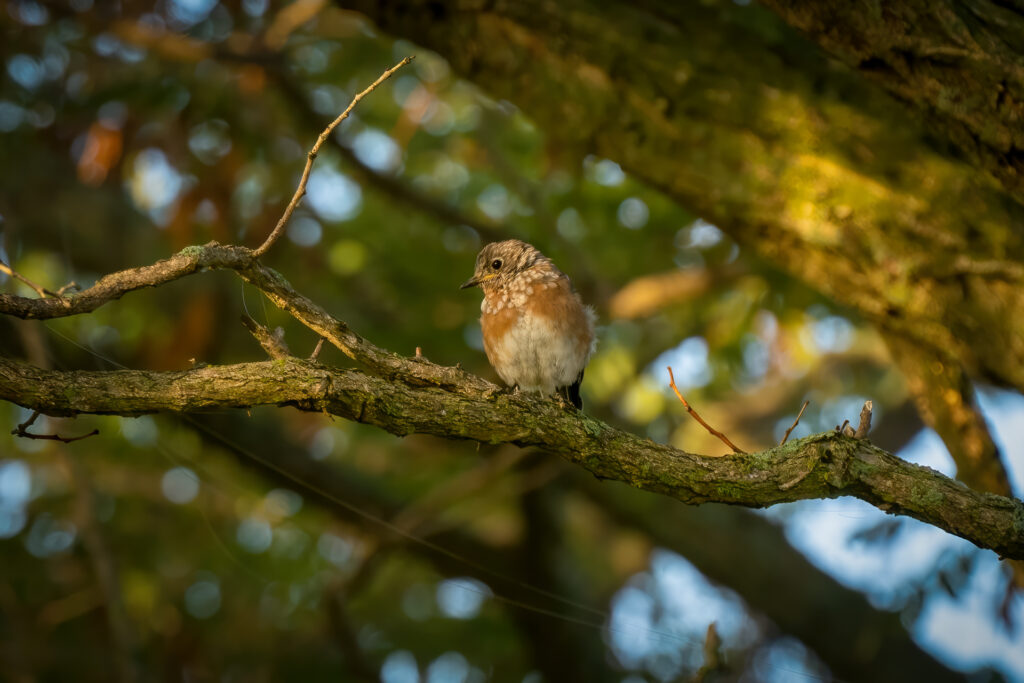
<point x="538" y="335"/>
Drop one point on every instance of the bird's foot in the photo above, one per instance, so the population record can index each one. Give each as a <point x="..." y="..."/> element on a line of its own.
<point x="563" y="400"/>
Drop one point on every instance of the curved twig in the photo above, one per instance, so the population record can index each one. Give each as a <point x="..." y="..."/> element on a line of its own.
<point x="311" y="157"/>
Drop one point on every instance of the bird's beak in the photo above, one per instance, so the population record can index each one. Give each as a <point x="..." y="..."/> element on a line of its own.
<point x="476" y="280"/>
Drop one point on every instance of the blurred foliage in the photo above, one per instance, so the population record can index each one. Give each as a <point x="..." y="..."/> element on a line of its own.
<point x="130" y="130"/>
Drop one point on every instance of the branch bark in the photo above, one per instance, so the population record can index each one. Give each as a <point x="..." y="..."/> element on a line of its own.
<point x="821" y="466"/>
<point x="193" y="259"/>
<point x="958" y="62"/>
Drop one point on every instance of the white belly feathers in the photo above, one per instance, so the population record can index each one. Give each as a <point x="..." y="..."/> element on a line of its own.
<point x="538" y="355"/>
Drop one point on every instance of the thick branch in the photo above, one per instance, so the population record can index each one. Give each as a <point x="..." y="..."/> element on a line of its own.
<point x="820" y="466"/>
<point x="959" y="62"/>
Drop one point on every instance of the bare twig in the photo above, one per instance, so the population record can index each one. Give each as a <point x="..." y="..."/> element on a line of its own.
<point x="795" y="422"/>
<point x="22" y="431"/>
<point x="394" y="188"/>
<point x="698" y="418"/>
<point x="311" y="157"/>
<point x="865" y="421"/>
<point x="316" y="351"/>
<point x="4" y="268"/>
<point x="43" y="292"/>
<point x="272" y="342"/>
<point x="28" y="423"/>
<point x="178" y="48"/>
<point x="71" y="285"/>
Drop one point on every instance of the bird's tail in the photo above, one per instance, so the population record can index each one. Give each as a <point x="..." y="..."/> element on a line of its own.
<point x="571" y="393"/>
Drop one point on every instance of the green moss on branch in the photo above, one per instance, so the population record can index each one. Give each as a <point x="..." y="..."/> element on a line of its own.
<point x="820" y="466"/>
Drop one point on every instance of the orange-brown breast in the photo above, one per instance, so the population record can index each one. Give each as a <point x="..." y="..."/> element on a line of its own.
<point x="494" y="326"/>
<point x="562" y="306"/>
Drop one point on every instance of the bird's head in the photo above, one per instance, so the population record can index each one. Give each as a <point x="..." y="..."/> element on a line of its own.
<point x="498" y="263"/>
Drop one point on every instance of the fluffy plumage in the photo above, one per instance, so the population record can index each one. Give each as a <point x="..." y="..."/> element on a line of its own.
<point x="537" y="333"/>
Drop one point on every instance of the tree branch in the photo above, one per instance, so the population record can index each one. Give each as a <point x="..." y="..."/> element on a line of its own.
<point x="242" y="260"/>
<point x="959" y="65"/>
<point x="821" y="466"/>
<point x="311" y="157"/>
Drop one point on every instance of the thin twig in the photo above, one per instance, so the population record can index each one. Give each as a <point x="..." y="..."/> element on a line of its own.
<point x="311" y="157"/>
<point x="22" y="431"/>
<point x="712" y="430"/>
<point x="18" y="276"/>
<point x="43" y="292"/>
<point x="71" y="285"/>
<point x="28" y="423"/>
<point x="272" y="342"/>
<point x="319" y="347"/>
<point x="795" y="423"/>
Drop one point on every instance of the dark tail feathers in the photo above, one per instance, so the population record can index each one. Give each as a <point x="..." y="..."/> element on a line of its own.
<point x="571" y="393"/>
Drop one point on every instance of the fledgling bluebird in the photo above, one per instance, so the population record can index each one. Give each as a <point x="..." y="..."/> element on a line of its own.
<point x="538" y="335"/>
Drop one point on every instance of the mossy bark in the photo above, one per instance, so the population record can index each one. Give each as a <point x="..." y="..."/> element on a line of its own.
<point x="821" y="466"/>
<point x="960" y="63"/>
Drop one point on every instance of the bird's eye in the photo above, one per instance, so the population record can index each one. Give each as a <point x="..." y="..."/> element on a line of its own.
<point x="496" y="263"/>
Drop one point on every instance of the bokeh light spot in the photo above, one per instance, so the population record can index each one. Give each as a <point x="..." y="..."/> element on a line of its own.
<point x="305" y="231"/>
<point x="495" y="202"/>
<point x="180" y="485"/>
<point x="255" y="535"/>
<point x="377" y="150"/>
<point x="400" y="667"/>
<point x="633" y="213"/>
<point x="202" y="598"/>
<point x="451" y="667"/>
<point x="461" y="598"/>
<point x="334" y="195"/>
<point x="689" y="363"/>
<point x="335" y="549"/>
<point x="608" y="173"/>
<point x="347" y="257"/>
